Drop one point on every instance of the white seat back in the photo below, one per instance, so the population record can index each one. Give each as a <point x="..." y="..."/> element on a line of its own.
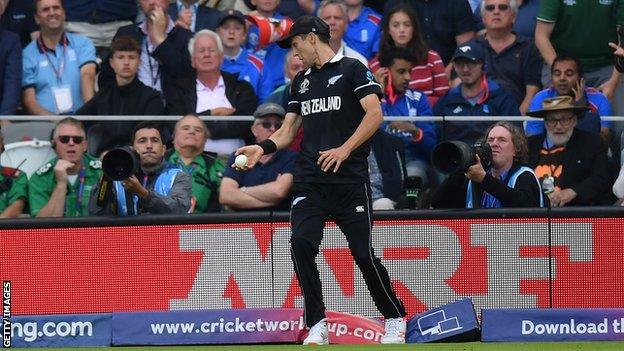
<point x="33" y="153"/>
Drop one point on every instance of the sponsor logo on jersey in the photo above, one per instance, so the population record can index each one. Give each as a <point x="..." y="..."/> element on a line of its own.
<point x="303" y="88"/>
<point x="324" y="104"/>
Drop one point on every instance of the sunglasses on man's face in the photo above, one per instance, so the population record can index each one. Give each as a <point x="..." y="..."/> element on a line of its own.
<point x="64" y="139"/>
<point x="268" y="125"/>
<point x="501" y="7"/>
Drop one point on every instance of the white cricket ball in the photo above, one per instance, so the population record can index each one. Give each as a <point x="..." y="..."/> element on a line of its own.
<point x="240" y="160"/>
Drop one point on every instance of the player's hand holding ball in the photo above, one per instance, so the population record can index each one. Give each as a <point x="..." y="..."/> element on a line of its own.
<point x="247" y="157"/>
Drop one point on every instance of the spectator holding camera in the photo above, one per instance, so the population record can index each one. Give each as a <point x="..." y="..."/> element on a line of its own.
<point x="571" y="163"/>
<point x="157" y="188"/>
<point x="61" y="187"/>
<point x="508" y="182"/>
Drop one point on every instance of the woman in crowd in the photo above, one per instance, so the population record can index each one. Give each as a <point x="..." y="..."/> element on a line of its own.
<point x="400" y="28"/>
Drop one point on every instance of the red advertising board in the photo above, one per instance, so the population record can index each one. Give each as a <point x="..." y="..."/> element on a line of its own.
<point x="525" y="263"/>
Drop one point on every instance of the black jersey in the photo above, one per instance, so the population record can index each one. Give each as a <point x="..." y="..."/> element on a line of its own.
<point x="328" y="100"/>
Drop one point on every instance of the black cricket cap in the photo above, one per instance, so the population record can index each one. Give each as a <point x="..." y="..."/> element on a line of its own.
<point x="304" y="25"/>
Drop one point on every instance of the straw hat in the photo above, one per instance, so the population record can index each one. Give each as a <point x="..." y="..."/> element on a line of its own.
<point x="558" y="103"/>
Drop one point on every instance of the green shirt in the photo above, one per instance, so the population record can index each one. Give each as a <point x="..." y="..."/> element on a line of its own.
<point x="18" y="189"/>
<point x="584" y="28"/>
<point x="43" y="182"/>
<point x="206" y="178"/>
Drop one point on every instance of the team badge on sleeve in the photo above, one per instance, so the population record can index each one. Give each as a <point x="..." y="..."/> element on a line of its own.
<point x="369" y="76"/>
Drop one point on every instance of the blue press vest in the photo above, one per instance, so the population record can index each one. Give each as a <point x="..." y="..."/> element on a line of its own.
<point x="163" y="184"/>
<point x="511" y="183"/>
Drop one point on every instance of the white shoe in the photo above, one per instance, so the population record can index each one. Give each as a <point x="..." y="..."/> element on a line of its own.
<point x="395" y="331"/>
<point x="318" y="334"/>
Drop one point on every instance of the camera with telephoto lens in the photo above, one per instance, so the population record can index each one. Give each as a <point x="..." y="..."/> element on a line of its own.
<point x="452" y="156"/>
<point x="120" y="163"/>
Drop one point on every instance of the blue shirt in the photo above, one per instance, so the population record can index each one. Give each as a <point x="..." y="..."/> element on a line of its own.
<point x="273" y="56"/>
<point x="282" y="162"/>
<point x="39" y="64"/>
<point x="248" y="67"/>
<point x="412" y="103"/>
<point x="598" y="105"/>
<point x="515" y="67"/>
<point x="498" y="103"/>
<point x="364" y="33"/>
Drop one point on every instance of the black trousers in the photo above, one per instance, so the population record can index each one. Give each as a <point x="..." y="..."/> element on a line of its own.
<point x="349" y="205"/>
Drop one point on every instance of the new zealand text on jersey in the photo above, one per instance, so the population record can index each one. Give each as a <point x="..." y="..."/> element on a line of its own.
<point x="324" y="104"/>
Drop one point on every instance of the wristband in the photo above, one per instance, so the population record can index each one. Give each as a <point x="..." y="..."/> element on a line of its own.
<point x="268" y="146"/>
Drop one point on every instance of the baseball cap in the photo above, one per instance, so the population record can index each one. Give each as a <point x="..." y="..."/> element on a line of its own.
<point x="226" y="15"/>
<point x="304" y="25"/>
<point x="269" y="108"/>
<point x="470" y="51"/>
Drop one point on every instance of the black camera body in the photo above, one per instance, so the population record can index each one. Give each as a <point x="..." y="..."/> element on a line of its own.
<point x="453" y="156"/>
<point x="120" y="163"/>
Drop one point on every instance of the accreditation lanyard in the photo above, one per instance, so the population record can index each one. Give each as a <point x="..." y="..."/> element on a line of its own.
<point x="80" y="192"/>
<point x="154" y="78"/>
<point x="58" y="72"/>
<point x="135" y="198"/>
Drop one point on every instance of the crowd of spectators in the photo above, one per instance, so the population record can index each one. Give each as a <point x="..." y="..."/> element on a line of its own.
<point x="549" y="59"/>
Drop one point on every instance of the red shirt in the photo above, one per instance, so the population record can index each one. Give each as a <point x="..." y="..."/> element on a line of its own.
<point x="427" y="77"/>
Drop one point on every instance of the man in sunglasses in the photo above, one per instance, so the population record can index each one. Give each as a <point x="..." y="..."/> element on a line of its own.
<point x="570" y="163"/>
<point x="513" y="61"/>
<point x="267" y="185"/>
<point x="61" y="187"/>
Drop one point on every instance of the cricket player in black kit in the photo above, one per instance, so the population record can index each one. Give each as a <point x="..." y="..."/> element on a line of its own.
<point x="337" y="100"/>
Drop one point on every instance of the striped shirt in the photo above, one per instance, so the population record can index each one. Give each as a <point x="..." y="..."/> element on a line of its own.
<point x="428" y="78"/>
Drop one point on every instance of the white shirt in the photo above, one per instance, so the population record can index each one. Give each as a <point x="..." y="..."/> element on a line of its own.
<point x="208" y="99"/>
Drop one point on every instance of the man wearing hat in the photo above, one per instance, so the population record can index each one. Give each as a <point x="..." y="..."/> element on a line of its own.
<point x="570" y="163"/>
<point x="336" y="99"/>
<point x="266" y="186"/>
<point x="236" y="59"/>
<point x="475" y="96"/>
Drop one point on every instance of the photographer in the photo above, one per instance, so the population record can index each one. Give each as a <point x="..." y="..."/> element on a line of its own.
<point x="157" y="188"/>
<point x="507" y="183"/>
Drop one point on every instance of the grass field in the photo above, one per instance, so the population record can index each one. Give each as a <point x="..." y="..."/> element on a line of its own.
<point x="472" y="346"/>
